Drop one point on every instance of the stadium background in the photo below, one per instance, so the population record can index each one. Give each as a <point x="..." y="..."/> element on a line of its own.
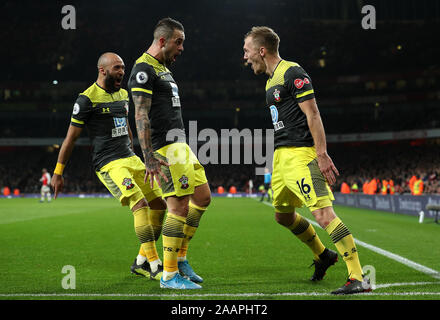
<point x="378" y="94"/>
<point x="366" y="81"/>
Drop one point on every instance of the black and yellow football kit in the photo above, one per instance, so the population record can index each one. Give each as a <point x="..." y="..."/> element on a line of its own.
<point x="105" y="114"/>
<point x="296" y="177"/>
<point x="288" y="86"/>
<point x="152" y="79"/>
<point x="106" y="117"/>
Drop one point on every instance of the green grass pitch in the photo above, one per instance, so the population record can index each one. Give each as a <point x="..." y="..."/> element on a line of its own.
<point x="239" y="250"/>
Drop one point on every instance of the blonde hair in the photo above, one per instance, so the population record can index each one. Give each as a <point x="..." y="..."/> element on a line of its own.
<point x="264" y="37"/>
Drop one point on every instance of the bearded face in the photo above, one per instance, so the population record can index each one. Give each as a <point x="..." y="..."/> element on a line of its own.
<point x="173" y="47"/>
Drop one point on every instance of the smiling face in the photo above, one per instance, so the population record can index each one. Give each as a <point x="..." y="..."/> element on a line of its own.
<point x="253" y="56"/>
<point x="173" y="47"/>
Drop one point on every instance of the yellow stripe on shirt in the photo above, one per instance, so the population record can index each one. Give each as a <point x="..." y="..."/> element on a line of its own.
<point x="76" y="121"/>
<point x="142" y="90"/>
<point x="304" y="93"/>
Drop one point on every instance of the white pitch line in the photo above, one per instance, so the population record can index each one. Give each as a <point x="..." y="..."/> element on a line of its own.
<point x="414" y="265"/>
<point x="224" y="295"/>
<point x="202" y="295"/>
<point x="400" y="284"/>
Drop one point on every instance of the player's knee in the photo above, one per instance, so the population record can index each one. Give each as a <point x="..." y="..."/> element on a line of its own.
<point x="284" y="219"/>
<point x="201" y="196"/>
<point x="178" y="206"/>
<point x="140" y="204"/>
<point x="324" y="216"/>
<point x="205" y="201"/>
<point x="158" y="204"/>
<point x="180" y="210"/>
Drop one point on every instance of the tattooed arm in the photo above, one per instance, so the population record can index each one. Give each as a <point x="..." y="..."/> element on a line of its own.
<point x="143" y="126"/>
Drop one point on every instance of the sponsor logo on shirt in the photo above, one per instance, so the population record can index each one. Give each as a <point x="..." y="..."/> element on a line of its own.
<point x="299" y="83"/>
<point x="175" y="91"/>
<point x="120" y="128"/>
<point x="274" y="114"/>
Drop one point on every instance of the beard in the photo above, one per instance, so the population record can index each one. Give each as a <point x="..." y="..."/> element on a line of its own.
<point x="259" y="68"/>
<point x="169" y="56"/>
<point x="110" y="83"/>
<point x="169" y="60"/>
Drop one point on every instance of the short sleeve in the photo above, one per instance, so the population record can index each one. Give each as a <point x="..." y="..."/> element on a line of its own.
<point x="299" y="84"/>
<point x="81" y="111"/>
<point x="141" y="80"/>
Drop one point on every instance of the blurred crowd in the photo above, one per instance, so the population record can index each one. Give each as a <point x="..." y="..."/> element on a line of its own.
<point x="395" y="163"/>
<point x="388" y="162"/>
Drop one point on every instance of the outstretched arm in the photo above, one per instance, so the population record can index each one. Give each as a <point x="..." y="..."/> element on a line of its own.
<point x="143" y="126"/>
<point x="57" y="182"/>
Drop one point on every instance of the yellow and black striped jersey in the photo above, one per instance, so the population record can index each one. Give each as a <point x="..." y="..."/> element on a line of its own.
<point x="152" y="79"/>
<point x="105" y="115"/>
<point x="288" y="86"/>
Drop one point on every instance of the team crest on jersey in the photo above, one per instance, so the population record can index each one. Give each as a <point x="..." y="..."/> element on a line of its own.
<point x="299" y="83"/>
<point x="184" y="181"/>
<point x="276" y="95"/>
<point x="128" y="183"/>
<point x="126" y="107"/>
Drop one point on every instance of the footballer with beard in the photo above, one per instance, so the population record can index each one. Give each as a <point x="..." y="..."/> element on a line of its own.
<point x="162" y="139"/>
<point x="103" y="109"/>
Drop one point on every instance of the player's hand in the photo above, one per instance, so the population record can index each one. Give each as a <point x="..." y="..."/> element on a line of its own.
<point x="152" y="170"/>
<point x="57" y="183"/>
<point x="327" y="168"/>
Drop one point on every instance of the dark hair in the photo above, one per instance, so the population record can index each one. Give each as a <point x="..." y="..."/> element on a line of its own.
<point x="165" y="28"/>
<point x="266" y="37"/>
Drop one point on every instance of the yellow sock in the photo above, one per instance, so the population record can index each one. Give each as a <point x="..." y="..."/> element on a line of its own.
<point x="307" y="234"/>
<point x="191" y="224"/>
<point x="142" y="252"/>
<point x="156" y="219"/>
<point x="344" y="242"/>
<point x="144" y="232"/>
<point x="172" y="237"/>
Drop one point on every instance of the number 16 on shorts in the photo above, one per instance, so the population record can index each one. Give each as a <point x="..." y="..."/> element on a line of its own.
<point x="304" y="188"/>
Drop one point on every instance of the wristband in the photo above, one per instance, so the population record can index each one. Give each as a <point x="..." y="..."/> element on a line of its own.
<point x="59" y="169"/>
